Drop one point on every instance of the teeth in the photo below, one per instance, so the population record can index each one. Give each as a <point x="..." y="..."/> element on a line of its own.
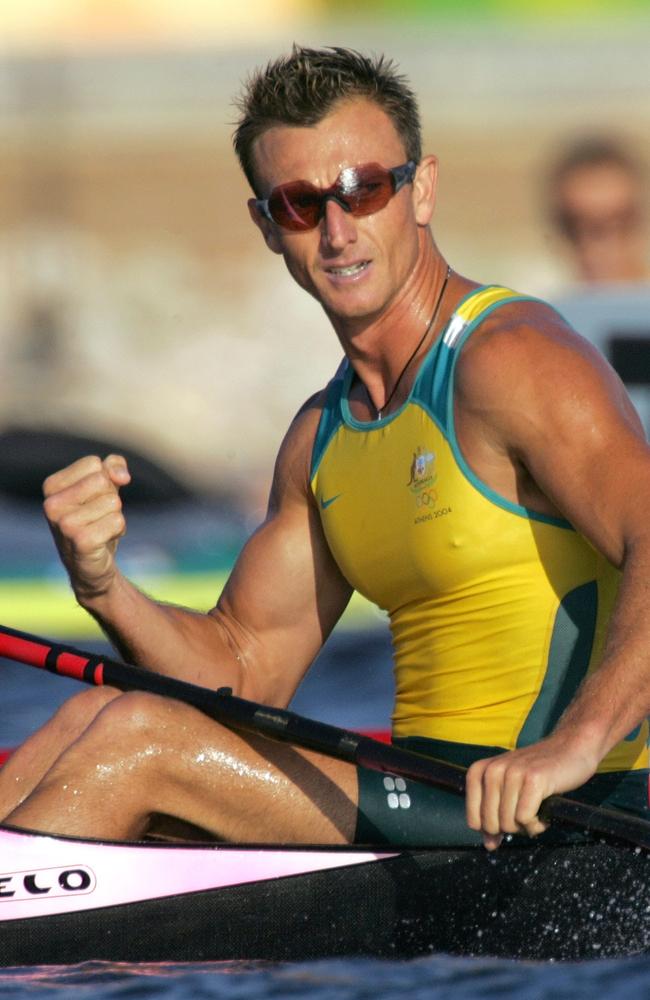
<point x="347" y="271"/>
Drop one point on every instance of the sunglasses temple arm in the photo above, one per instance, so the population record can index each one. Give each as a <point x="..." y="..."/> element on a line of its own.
<point x="262" y="206"/>
<point x="404" y="175"/>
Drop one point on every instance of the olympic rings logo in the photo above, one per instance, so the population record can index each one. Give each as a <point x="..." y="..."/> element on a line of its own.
<point x="427" y="498"/>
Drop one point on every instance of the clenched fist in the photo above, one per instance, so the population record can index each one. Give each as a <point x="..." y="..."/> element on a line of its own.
<point x="84" y="511"/>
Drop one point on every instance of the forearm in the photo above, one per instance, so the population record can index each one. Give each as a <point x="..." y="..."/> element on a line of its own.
<point x="172" y="640"/>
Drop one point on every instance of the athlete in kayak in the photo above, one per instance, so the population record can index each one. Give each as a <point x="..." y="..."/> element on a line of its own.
<point x="474" y="467"/>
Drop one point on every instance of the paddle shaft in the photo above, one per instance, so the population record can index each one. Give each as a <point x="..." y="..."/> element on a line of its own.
<point x="239" y="713"/>
<point x="283" y="725"/>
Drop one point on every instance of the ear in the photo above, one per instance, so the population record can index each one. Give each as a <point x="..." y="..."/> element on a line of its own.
<point x="424" y="190"/>
<point x="266" y="227"/>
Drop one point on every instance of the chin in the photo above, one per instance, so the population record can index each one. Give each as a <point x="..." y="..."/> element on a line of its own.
<point x="349" y="305"/>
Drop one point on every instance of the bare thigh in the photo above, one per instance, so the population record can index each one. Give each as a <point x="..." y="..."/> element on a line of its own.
<point x="30" y="762"/>
<point x="143" y="756"/>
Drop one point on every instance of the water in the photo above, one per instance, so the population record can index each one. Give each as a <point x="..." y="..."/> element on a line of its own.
<point x="439" y="977"/>
<point x="349" y="685"/>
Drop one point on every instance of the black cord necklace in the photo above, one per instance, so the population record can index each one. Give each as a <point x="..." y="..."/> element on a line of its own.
<point x="417" y="348"/>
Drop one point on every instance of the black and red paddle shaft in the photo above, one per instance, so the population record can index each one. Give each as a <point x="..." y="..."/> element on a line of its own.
<point x="240" y="713"/>
<point x="50" y="656"/>
<point x="280" y="724"/>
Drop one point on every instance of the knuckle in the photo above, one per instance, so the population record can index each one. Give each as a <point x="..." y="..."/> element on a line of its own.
<point x="98" y="482"/>
<point x="525" y="822"/>
<point x="534" y="780"/>
<point x="475" y="770"/>
<point x="85" y="545"/>
<point x="49" y="484"/>
<point x="71" y="473"/>
<point x="118" y="524"/>
<point x="493" y="775"/>
<point x="103" y="505"/>
<point x="67" y="524"/>
<point x="527" y="810"/>
<point x="51" y="507"/>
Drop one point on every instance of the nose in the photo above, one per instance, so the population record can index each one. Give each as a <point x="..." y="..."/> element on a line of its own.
<point x="338" y="227"/>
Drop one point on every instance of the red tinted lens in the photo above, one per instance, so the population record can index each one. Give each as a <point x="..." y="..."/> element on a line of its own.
<point x="365" y="189"/>
<point x="296" y="206"/>
<point x="361" y="190"/>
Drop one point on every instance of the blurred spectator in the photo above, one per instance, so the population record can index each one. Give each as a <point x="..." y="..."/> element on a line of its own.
<point x="597" y="202"/>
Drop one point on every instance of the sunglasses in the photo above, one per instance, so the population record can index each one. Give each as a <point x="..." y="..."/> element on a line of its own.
<point x="616" y="223"/>
<point x="299" y="205"/>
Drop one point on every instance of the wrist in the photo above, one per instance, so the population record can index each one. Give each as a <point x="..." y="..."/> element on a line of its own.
<point x="589" y="741"/>
<point x="97" y="594"/>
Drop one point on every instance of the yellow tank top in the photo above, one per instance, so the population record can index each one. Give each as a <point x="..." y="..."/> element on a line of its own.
<point x="496" y="612"/>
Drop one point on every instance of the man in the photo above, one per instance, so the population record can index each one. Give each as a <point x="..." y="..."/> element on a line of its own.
<point x="474" y="467"/>
<point x="597" y="203"/>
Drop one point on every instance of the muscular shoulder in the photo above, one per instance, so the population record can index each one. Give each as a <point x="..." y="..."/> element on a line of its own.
<point x="526" y="364"/>
<point x="291" y="474"/>
<point x="517" y="338"/>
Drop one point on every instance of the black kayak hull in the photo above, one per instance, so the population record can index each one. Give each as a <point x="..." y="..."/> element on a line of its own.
<point x="538" y="903"/>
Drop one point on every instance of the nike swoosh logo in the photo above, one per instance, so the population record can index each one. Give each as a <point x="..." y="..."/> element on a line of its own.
<point x="324" y="504"/>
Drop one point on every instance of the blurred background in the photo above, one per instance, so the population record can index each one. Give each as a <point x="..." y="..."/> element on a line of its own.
<point x="140" y="310"/>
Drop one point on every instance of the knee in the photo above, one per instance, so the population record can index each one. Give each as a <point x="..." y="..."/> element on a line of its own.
<point x="134" y="716"/>
<point x="110" y="745"/>
<point x="80" y="711"/>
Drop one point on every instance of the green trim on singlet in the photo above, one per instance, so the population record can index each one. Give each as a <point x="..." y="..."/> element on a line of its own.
<point x="432" y="391"/>
<point x="450" y="427"/>
<point x="330" y="418"/>
<point x="336" y="409"/>
<point x="570" y="651"/>
<point x="432" y="382"/>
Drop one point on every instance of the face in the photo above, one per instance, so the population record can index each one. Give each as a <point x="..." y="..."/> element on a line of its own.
<point x="355" y="267"/>
<point x="602" y="220"/>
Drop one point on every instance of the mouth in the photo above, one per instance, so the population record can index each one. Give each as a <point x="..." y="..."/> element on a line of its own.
<point x="348" y="270"/>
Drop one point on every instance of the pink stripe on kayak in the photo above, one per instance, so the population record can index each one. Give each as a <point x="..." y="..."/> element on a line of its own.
<point x="41" y="875"/>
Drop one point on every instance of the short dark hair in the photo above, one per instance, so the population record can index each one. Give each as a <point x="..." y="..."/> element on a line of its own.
<point x="302" y="88"/>
<point x="594" y="151"/>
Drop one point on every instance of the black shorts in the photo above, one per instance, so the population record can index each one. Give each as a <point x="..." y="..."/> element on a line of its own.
<point x="405" y="813"/>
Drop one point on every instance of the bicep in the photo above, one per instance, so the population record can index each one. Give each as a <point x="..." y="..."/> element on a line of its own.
<point x="285" y="593"/>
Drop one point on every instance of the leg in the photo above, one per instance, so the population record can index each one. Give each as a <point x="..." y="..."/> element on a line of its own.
<point x="30" y="762"/>
<point x="144" y="755"/>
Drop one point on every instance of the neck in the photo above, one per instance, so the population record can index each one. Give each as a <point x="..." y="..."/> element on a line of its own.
<point x="405" y="310"/>
<point x="383" y="347"/>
